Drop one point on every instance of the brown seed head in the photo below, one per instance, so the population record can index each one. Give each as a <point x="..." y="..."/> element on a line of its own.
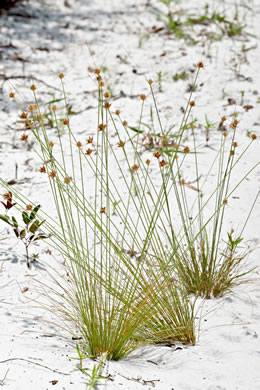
<point x="103" y="210"/>
<point x="24" y="137"/>
<point x="42" y="169"/>
<point x="90" y="140"/>
<point x="223" y="119"/>
<point x="66" y="122"/>
<point x="54" y="108"/>
<point x="157" y="154"/>
<point x="102" y="126"/>
<point x="225" y="134"/>
<point x="8" y="196"/>
<point x="35" y="107"/>
<point x="99" y="78"/>
<point x="192" y="103"/>
<point x="150" y="82"/>
<point x="117" y="112"/>
<point x="225" y="202"/>
<point x="30" y="108"/>
<point x="148" y="161"/>
<point x="67" y="180"/>
<point x="107" y="105"/>
<point x="79" y="144"/>
<point x="124" y="123"/>
<point x="97" y="71"/>
<point x="121" y="144"/>
<point x="53" y="174"/>
<point x="200" y="65"/>
<point x="61" y="76"/>
<point x="23" y="115"/>
<point x="235" y="144"/>
<point x="135" y="167"/>
<point x="51" y="144"/>
<point x="11" y="95"/>
<point x="142" y="97"/>
<point x="88" y="152"/>
<point x="29" y="207"/>
<point x="234" y="124"/>
<point x="39" y="117"/>
<point x="163" y="163"/>
<point x="101" y="83"/>
<point x="232" y="153"/>
<point x="186" y="149"/>
<point x="106" y="95"/>
<point x="33" y="87"/>
<point x="253" y="136"/>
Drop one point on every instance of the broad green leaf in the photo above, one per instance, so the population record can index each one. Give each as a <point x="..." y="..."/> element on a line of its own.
<point x="26" y="217"/>
<point x="5" y="218"/>
<point x="34" y="226"/>
<point x="15" y="222"/>
<point x="34" y="212"/>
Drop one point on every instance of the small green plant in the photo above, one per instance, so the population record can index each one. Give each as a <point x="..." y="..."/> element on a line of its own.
<point x="95" y="375"/>
<point x="30" y="232"/>
<point x="180" y="76"/>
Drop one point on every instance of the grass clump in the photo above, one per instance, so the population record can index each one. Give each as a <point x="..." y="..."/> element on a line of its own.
<point x="129" y="268"/>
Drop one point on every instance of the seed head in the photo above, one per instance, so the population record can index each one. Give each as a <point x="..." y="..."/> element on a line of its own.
<point x="135" y="167"/>
<point x="33" y="87"/>
<point x="225" y="202"/>
<point x="121" y="144"/>
<point x="23" y="115"/>
<point x="42" y="169"/>
<point x="11" y="95"/>
<point x="234" y="124"/>
<point x="101" y="83"/>
<point x="192" y="103"/>
<point x="39" y="117"/>
<point x="90" y="140"/>
<point x="163" y="163"/>
<point x="148" y="161"/>
<point x="150" y="82"/>
<point x="51" y="144"/>
<point x="30" y="108"/>
<point x="66" y="122"/>
<point x="61" y="76"/>
<point x="157" y="154"/>
<point x="29" y="207"/>
<point x="186" y="149"/>
<point x="102" y="126"/>
<point x="232" y="153"/>
<point x="67" y="180"/>
<point x="235" y="144"/>
<point x="97" y="71"/>
<point x="107" y="105"/>
<point x="99" y="78"/>
<point x="142" y="97"/>
<point x="223" y="119"/>
<point x="117" y="112"/>
<point x="54" y="108"/>
<point x="79" y="144"/>
<point x="53" y="174"/>
<point x="103" y="210"/>
<point x="253" y="136"/>
<point x="24" y="137"/>
<point x="88" y="152"/>
<point x="124" y="123"/>
<point x="8" y="196"/>
<point x="225" y="134"/>
<point x="106" y="95"/>
<point x="200" y="65"/>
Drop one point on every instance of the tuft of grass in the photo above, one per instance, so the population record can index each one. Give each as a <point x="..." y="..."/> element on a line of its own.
<point x="130" y="262"/>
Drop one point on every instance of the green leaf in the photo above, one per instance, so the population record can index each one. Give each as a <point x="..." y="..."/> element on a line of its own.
<point x="16" y="232"/>
<point x="34" y="212"/>
<point x="34" y="226"/>
<point x="22" y="234"/>
<point x="136" y="130"/>
<point x="15" y="222"/>
<point x="5" y="218"/>
<point x="26" y="217"/>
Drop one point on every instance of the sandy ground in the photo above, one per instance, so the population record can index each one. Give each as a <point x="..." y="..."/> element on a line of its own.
<point x="37" y="42"/>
